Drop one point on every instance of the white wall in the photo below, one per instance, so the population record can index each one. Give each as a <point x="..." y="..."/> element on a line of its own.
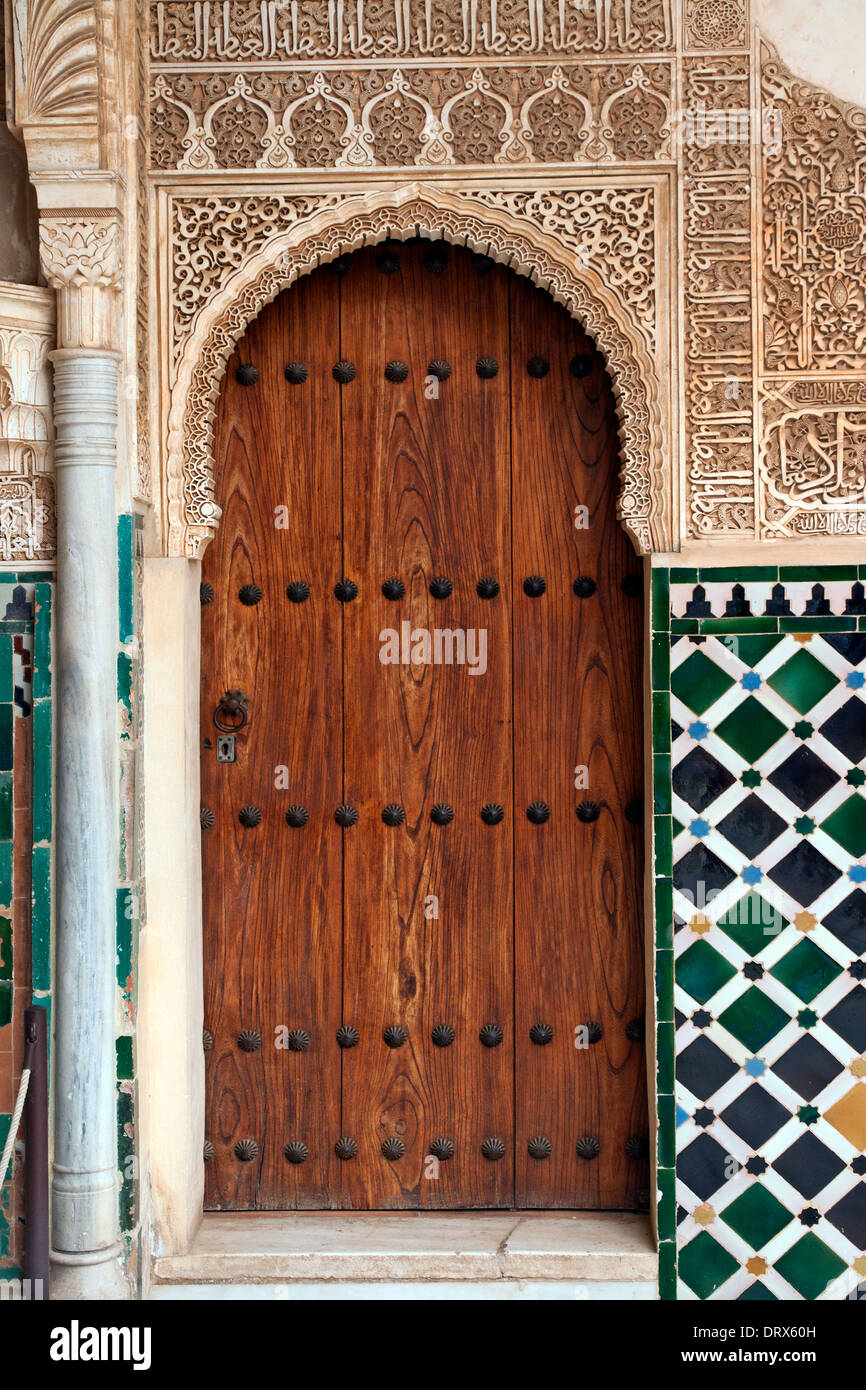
<point x="821" y="40"/>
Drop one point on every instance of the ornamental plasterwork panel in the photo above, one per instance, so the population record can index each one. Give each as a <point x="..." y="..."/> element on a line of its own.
<point x="715" y="24"/>
<point x="296" y="235"/>
<point x="27" y="526"/>
<point x="283" y="31"/>
<point x="813" y="457"/>
<point x="358" y="118"/>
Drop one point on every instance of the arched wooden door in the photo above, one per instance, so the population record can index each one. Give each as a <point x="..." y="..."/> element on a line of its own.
<point x="437" y="1002"/>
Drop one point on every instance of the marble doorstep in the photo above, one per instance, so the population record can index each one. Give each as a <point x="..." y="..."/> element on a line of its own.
<point x="423" y="1246"/>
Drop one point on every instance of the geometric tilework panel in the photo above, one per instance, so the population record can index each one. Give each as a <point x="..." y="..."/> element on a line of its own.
<point x="768" y="863"/>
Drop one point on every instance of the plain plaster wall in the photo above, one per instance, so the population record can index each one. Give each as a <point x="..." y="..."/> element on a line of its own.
<point x="821" y="40"/>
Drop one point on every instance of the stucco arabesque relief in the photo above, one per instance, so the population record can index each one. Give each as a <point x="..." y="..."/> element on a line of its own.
<point x="245" y="96"/>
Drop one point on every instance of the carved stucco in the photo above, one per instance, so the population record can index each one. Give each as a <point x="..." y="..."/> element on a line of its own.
<point x="521" y="229"/>
<point x="27" y="528"/>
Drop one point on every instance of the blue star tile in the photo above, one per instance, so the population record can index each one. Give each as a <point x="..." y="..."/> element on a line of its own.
<point x="698" y="730"/>
<point x="752" y="874"/>
<point x="750" y="681"/>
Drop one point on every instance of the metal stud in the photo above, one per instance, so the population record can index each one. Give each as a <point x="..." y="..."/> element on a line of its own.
<point x="534" y="586"/>
<point x="539" y="1147"/>
<point x="393" y="1148"/>
<point x="490" y="1035"/>
<point x="487" y="367"/>
<point x="587" y="811"/>
<point x="206" y="818"/>
<point x="487" y="587"/>
<point x="297" y="817"/>
<point x="207" y="1151"/>
<point x="250" y="1040"/>
<point x="538" y="812"/>
<point x="387" y="262"/>
<point x="205" y="594"/>
<point x="250" y="595"/>
<point x="584" y="587"/>
<point x="346" y="1148"/>
<point x="246" y="1150"/>
<point x="483" y="264"/>
<point x="396" y="371"/>
<point x="594" y="1033"/>
<point x="442" y="813"/>
<point x="493" y="1149"/>
<point x="538" y="367"/>
<point x="296" y="1151"/>
<point x="346" y="590"/>
<point x="250" y="817"/>
<point x="340" y="264"/>
<point x="343" y="372"/>
<point x="441" y="586"/>
<point x="436" y="260"/>
<point x="634" y="811"/>
<point x="346" y="815"/>
<point x="394" y="814"/>
<point x="588" y="1147"/>
<point x="394" y="589"/>
<point x="298" y="591"/>
<point x="439" y="368"/>
<point x="246" y="374"/>
<point x="206" y="1040"/>
<point x="442" y="1148"/>
<point x="541" y="1034"/>
<point x="443" y="1035"/>
<point x="634" y="1030"/>
<point x="632" y="585"/>
<point x="580" y="366"/>
<point x="395" y="1035"/>
<point x="298" y="1040"/>
<point x="637" y="1146"/>
<point x="492" y="813"/>
<point x="348" y="1035"/>
<point x="296" y="373"/>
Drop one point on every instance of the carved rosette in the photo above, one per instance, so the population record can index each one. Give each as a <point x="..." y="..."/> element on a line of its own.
<point x="310" y="236"/>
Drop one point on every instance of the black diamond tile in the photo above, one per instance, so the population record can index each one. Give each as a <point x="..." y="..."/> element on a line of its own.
<point x="702" y="1166"/>
<point x="846" y="730"/>
<point x="809" y="1165"/>
<point x="804" y="873"/>
<point x="700" y="873"/>
<point x="703" y="1068"/>
<point x="676" y="730"/>
<point x="851" y="645"/>
<point x="848" y="1019"/>
<point x="700" y="778"/>
<point x="807" y="1067"/>
<point x="848" y="922"/>
<point x="804" y="778"/>
<point x="849" y="1215"/>
<point x="751" y="826"/>
<point x="679" y="1018"/>
<point x="755" y="1116"/>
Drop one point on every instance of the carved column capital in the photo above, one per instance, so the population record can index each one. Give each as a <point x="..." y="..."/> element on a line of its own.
<point x="80" y="250"/>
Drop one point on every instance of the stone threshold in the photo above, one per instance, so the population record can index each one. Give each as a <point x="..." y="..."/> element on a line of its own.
<point x="421" y="1246"/>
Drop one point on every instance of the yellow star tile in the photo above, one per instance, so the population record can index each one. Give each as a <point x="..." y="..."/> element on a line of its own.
<point x="858" y="1066"/>
<point x="700" y="924"/>
<point x="704" y="1216"/>
<point x="848" y="1115"/>
<point x="756" y="1265"/>
<point x="859" y="1265"/>
<point x="803" y="637"/>
<point x="805" y="921"/>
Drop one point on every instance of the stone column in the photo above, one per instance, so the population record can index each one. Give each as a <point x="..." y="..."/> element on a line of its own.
<point x="79" y="255"/>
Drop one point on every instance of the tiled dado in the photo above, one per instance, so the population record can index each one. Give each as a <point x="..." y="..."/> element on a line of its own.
<point x="760" y="817"/>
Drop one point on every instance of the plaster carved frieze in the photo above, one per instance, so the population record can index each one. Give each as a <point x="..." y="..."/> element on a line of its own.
<point x="814" y="228"/>
<point x="353" y="118"/>
<point x="296" y="235"/>
<point x="813" y="457"/>
<point x="716" y="24"/>
<point x="717" y="239"/>
<point x="284" y="32"/>
<point x="27" y="519"/>
<point x="80" y="250"/>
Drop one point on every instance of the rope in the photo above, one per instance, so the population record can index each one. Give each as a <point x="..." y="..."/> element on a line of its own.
<point x="13" y="1127"/>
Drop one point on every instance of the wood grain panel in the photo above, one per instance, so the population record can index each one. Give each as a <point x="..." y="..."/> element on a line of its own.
<point x="273" y="895"/>
<point x="426" y="494"/>
<point x="577" y="691"/>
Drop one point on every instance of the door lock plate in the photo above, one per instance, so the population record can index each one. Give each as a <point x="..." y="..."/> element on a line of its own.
<point x="225" y="749"/>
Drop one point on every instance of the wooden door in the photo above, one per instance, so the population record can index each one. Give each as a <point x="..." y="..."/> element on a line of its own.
<point x="422" y="867"/>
